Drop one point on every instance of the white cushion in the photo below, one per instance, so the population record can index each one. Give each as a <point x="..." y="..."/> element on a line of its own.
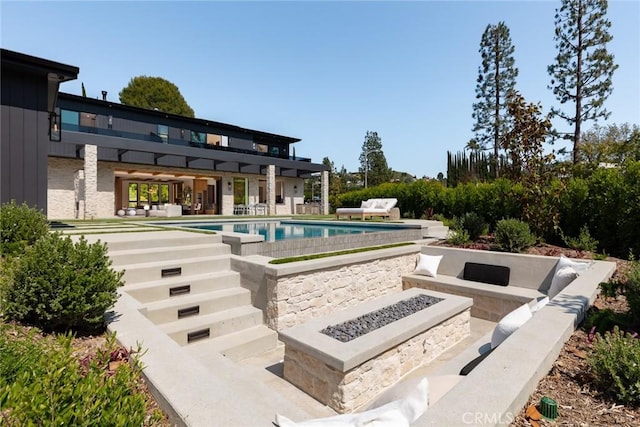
<point x="566" y="271"/>
<point x="579" y="266"/>
<point x="366" y="204"/>
<point x="561" y="279"/>
<point x="539" y="304"/>
<point x="509" y="324"/>
<point x="428" y="265"/>
<point x="398" y="413"/>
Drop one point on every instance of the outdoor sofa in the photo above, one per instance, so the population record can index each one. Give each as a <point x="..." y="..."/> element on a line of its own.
<point x="371" y="208"/>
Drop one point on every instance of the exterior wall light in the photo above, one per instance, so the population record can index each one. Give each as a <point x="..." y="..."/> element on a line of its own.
<point x="54" y="127"/>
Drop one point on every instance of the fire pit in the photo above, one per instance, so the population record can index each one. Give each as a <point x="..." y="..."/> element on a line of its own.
<point x="376" y="351"/>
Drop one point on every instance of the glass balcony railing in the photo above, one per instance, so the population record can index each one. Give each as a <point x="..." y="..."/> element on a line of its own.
<point x="152" y="137"/>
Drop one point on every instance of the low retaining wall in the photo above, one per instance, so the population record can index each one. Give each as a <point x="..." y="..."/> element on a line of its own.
<point x="300" y="291"/>
<point x="346" y="376"/>
<point x="244" y="245"/>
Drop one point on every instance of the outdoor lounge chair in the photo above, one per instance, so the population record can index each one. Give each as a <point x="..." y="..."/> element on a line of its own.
<point x="369" y="208"/>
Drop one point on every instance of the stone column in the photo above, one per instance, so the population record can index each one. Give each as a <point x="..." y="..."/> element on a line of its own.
<point x="324" y="188"/>
<point x="271" y="190"/>
<point x="91" y="181"/>
<point x="78" y="190"/>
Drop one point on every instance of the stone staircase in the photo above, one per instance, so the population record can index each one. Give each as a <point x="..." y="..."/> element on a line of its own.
<point x="185" y="286"/>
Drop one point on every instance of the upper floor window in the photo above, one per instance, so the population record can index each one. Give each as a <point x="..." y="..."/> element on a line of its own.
<point x="163" y="133"/>
<point x="70" y="118"/>
<point x="213" y="139"/>
<point x="198" y="137"/>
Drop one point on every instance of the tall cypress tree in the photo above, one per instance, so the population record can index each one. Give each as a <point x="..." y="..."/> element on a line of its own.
<point x="496" y="80"/>
<point x="583" y="68"/>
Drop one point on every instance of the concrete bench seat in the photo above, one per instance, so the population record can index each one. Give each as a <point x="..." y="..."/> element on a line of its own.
<point x="530" y="278"/>
<point x="490" y="302"/>
<point x="495" y="391"/>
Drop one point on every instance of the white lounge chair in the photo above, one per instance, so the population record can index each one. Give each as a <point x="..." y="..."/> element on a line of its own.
<point x="369" y="208"/>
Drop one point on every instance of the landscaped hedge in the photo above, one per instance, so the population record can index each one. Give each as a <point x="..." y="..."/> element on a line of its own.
<point x="607" y="201"/>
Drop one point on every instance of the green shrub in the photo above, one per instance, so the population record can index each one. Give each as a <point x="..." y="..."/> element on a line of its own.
<point x="20" y="226"/>
<point x="584" y="241"/>
<point x="605" y="320"/>
<point x="474" y="225"/>
<point x="47" y="385"/>
<point x="513" y="235"/>
<point x="614" y="362"/>
<point x="632" y="291"/>
<point x="458" y="237"/>
<point x="58" y="285"/>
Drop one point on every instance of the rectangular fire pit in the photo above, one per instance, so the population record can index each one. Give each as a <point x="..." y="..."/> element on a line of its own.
<point x="347" y="375"/>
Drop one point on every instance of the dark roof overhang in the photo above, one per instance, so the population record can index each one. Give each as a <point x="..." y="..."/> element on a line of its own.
<point x="54" y="72"/>
<point x="74" y="143"/>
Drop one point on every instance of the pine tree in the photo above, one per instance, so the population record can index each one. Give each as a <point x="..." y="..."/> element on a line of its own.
<point x="496" y="80"/>
<point x="583" y="68"/>
<point x="373" y="162"/>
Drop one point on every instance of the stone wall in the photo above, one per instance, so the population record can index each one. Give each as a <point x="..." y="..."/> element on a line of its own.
<point x="65" y="188"/>
<point x="296" y="298"/>
<point x="61" y="195"/>
<point x="352" y="390"/>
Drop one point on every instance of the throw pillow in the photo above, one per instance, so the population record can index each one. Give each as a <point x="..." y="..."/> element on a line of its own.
<point x="561" y="279"/>
<point x="380" y="204"/>
<point x="539" y="304"/>
<point x="509" y="324"/>
<point x="428" y="265"/>
<point x="397" y="413"/>
<point x="579" y="266"/>
<point x="366" y="204"/>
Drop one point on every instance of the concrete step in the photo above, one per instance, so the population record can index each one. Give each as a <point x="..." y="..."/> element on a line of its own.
<point x="181" y="307"/>
<point x="436" y="231"/>
<point x="178" y="286"/>
<point x="213" y="324"/>
<point x="154" y="239"/>
<point x="159" y="270"/>
<point x="236" y="346"/>
<point x="164" y="253"/>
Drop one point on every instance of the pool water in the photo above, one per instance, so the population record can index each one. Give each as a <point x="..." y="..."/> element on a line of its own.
<point x="273" y="231"/>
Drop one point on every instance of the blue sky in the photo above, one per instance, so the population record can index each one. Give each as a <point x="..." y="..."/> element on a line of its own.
<point x="325" y="72"/>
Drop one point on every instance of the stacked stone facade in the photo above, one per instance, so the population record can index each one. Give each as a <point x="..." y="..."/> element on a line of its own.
<point x="292" y="300"/>
<point x="352" y="390"/>
<point x="67" y="192"/>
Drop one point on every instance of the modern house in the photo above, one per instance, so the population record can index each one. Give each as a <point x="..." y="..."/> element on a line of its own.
<point x="78" y="157"/>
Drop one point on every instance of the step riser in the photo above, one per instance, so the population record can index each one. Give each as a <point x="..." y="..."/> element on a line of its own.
<point x="145" y="274"/>
<point x="222" y="327"/>
<point x="435" y="231"/>
<point x="170" y="314"/>
<point x="170" y="254"/>
<point x="142" y="243"/>
<point x="251" y="348"/>
<point x="161" y="291"/>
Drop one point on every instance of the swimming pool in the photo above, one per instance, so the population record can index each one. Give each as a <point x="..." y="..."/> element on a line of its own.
<point x="274" y="231"/>
<point x="281" y="238"/>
